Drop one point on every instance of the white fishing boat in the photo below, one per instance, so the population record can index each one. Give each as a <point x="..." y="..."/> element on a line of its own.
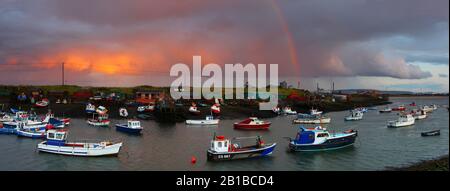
<point x="313" y="119"/>
<point x="123" y="112"/>
<point x="386" y="110"/>
<point x="276" y="110"/>
<point x="209" y="120"/>
<point x="402" y="121"/>
<point x="419" y="114"/>
<point x="56" y="143"/>
<point x="355" y="115"/>
<point x="289" y="111"/>
<point x="146" y="108"/>
<point x="6" y="118"/>
<point x="427" y="108"/>
<point x="315" y="112"/>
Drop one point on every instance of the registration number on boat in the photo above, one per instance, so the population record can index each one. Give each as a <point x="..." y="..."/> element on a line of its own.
<point x="223" y="156"/>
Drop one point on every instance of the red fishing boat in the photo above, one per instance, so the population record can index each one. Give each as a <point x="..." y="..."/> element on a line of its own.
<point x="252" y="123"/>
<point x="194" y="110"/>
<point x="413" y="104"/>
<point x="399" y="108"/>
<point x="215" y="109"/>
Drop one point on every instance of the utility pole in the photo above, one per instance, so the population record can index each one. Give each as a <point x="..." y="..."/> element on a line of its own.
<point x="63" y="73"/>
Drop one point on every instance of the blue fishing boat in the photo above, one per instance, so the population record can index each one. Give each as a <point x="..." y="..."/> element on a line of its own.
<point x="131" y="127"/>
<point x="31" y="133"/>
<point x="7" y="130"/>
<point x="90" y="108"/>
<point x="319" y="139"/>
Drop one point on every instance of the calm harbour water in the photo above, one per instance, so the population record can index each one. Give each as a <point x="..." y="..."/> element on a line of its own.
<point x="170" y="147"/>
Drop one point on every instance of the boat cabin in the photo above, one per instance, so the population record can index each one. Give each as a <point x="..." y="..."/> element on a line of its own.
<point x="134" y="124"/>
<point x="311" y="135"/>
<point x="220" y="144"/>
<point x="56" y="137"/>
<point x="209" y="117"/>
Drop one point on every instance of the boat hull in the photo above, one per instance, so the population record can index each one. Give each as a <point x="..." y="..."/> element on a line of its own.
<point x="33" y="135"/>
<point x="125" y="129"/>
<point x="312" y="121"/>
<point x="80" y="151"/>
<point x="241" y="126"/>
<point x="431" y="133"/>
<point x="5" y="130"/>
<point x="255" y="153"/>
<point x="98" y="124"/>
<point x="202" y="122"/>
<point x="330" y="144"/>
<point x="397" y="125"/>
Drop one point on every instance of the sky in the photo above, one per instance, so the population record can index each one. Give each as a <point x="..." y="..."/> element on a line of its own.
<point x="376" y="44"/>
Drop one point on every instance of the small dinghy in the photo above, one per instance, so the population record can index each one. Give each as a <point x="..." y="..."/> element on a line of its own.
<point x="100" y="121"/>
<point x="56" y="143"/>
<point x="215" y="109"/>
<point x="362" y="109"/>
<point x="355" y="115"/>
<point x="319" y="139"/>
<point x="31" y="133"/>
<point x="209" y="120"/>
<point x="90" y="108"/>
<point x="194" y="110"/>
<point x="311" y="119"/>
<point x="402" y="121"/>
<point x="223" y="149"/>
<point x="431" y="133"/>
<point x="288" y="111"/>
<point x="386" y="110"/>
<point x="123" y="112"/>
<point x="132" y="126"/>
<point x="252" y="123"/>
<point x="43" y="103"/>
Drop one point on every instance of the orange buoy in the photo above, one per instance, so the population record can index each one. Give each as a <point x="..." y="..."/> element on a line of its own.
<point x="193" y="160"/>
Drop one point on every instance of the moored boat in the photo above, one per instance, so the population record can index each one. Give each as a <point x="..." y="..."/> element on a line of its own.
<point x="31" y="133"/>
<point x="276" y="110"/>
<point x="56" y="143"/>
<point x="311" y="119"/>
<point x="419" y="114"/>
<point x="43" y="103"/>
<point x="319" y="139"/>
<point x="252" y="123"/>
<point x="100" y="121"/>
<point x="132" y="126"/>
<point x="386" y="110"/>
<point x="399" y="108"/>
<point x="224" y="149"/>
<point x="215" y="109"/>
<point x="123" y="112"/>
<point x="431" y="133"/>
<point x="402" y="121"/>
<point x="146" y="108"/>
<point x="101" y="110"/>
<point x="209" y="120"/>
<point x="194" y="110"/>
<point x="288" y="111"/>
<point x="355" y="115"/>
<point x="90" y="108"/>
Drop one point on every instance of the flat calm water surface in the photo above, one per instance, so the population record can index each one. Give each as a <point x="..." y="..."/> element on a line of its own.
<point x="170" y="147"/>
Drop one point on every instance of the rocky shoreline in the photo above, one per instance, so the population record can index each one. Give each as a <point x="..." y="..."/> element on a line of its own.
<point x="181" y="113"/>
<point x="438" y="164"/>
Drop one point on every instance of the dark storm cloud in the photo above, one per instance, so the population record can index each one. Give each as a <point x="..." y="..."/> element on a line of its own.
<point x="332" y="38"/>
